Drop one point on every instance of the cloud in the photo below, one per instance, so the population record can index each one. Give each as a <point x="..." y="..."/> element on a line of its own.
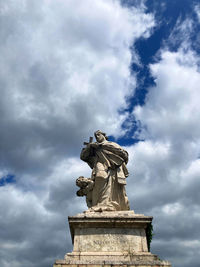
<point x="197" y="11"/>
<point x="33" y="227"/>
<point x="181" y="33"/>
<point x="166" y="164"/>
<point x="28" y="230"/>
<point x="64" y="72"/>
<point x="171" y="111"/>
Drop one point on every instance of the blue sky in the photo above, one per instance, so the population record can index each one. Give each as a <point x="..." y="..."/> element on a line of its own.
<point x="129" y="68"/>
<point x="167" y="15"/>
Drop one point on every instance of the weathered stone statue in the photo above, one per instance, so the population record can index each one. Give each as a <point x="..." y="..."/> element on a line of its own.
<point x="105" y="190"/>
<point x="109" y="233"/>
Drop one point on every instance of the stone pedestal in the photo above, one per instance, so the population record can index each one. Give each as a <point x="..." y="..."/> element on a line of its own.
<point x="110" y="238"/>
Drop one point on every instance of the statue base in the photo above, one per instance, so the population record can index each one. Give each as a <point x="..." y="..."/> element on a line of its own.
<point x="110" y="238"/>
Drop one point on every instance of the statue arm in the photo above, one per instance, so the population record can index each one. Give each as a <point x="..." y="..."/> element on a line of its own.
<point x="87" y="155"/>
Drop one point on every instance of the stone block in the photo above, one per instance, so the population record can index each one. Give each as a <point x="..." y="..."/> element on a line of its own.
<point x="116" y="239"/>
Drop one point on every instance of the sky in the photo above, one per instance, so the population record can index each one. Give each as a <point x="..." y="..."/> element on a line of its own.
<point x="70" y="67"/>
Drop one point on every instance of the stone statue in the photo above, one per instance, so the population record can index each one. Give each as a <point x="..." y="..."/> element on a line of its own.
<point x="105" y="190"/>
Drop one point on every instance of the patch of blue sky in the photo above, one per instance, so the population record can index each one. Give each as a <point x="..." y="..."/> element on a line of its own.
<point x="7" y="179"/>
<point x="167" y="14"/>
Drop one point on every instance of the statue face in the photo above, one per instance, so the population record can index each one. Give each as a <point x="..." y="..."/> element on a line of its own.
<point x="100" y="137"/>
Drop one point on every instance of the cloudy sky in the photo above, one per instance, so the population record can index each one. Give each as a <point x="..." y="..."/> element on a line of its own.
<point x="70" y="67"/>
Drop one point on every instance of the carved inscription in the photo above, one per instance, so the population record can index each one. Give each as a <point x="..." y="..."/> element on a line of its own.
<point x="110" y="240"/>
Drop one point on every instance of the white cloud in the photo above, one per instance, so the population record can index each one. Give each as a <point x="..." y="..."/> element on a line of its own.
<point x="172" y="111"/>
<point x="170" y="125"/>
<point x="197" y="10"/>
<point x="64" y="72"/>
<point x="166" y="171"/>
<point x="172" y="209"/>
<point x="32" y="216"/>
<point x="66" y="75"/>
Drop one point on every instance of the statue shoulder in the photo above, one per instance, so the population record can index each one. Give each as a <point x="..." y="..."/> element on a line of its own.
<point x="113" y="144"/>
<point x="116" y="149"/>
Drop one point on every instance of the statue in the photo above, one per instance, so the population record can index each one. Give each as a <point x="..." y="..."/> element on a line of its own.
<point x="108" y="232"/>
<point x="105" y="190"/>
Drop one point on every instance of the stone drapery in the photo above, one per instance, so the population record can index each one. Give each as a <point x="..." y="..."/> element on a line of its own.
<point x="108" y="162"/>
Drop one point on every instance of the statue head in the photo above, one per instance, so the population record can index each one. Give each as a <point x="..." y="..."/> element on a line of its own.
<point x="100" y="136"/>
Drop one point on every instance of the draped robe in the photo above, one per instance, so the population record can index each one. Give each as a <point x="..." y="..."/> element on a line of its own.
<point x="108" y="162"/>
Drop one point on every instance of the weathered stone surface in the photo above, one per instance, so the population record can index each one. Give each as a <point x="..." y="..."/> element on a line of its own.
<point x="108" y="234"/>
<point x="105" y="189"/>
<point x="136" y="264"/>
<point x="122" y="232"/>
<point x="114" y="259"/>
<point x="110" y="238"/>
<point x="126" y="220"/>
